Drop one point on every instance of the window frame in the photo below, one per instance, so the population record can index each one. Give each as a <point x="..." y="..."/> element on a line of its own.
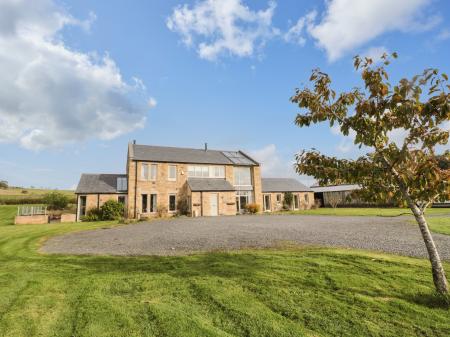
<point x="153" y="207"/>
<point x="175" y="203"/>
<point x="144" y="210"/>
<point x="153" y="171"/>
<point x="169" y="178"/>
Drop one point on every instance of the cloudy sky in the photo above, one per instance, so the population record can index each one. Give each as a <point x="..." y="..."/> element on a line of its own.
<point x="80" y="79"/>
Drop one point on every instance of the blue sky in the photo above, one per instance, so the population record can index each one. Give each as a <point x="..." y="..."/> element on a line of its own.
<point x="86" y="77"/>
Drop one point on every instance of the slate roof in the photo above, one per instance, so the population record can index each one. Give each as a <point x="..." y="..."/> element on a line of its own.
<point x="283" y="185"/>
<point x="335" y="188"/>
<point x="209" y="184"/>
<point x="98" y="183"/>
<point x="167" y="154"/>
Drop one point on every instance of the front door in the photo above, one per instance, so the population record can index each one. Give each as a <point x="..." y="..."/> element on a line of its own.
<point x="213" y="203"/>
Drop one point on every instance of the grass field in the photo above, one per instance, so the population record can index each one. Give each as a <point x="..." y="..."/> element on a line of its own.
<point x="283" y="292"/>
<point x="16" y="193"/>
<point x="440" y="224"/>
<point x="365" y="211"/>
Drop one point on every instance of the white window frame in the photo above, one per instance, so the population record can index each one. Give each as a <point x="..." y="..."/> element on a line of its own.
<point x="174" y="210"/>
<point x="238" y="176"/>
<point x="153" y="172"/>
<point x="122" y="184"/>
<point x="169" y="178"/>
<point x="279" y="196"/>
<point x="144" y="171"/>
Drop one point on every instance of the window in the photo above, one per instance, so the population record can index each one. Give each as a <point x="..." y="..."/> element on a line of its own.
<point x="153" y="203"/>
<point x="83" y="205"/>
<point x="218" y="171"/>
<point x="149" y="171"/>
<point x="242" y="176"/>
<point x="205" y="171"/>
<point x="242" y="199"/>
<point x="122" y="184"/>
<point x="144" y="203"/>
<point x="172" y="203"/>
<point x="144" y="172"/>
<point x="121" y="199"/>
<point x="198" y="171"/>
<point x="306" y="198"/>
<point x="172" y="173"/>
<point x="153" y="171"/>
<point x="278" y="197"/>
<point x="295" y="201"/>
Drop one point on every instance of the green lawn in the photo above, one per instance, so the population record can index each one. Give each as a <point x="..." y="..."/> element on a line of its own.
<point x="365" y="211"/>
<point x="440" y="224"/>
<point x="279" y="292"/>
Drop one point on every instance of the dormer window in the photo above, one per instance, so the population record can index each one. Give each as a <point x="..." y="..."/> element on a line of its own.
<point x="122" y="184"/>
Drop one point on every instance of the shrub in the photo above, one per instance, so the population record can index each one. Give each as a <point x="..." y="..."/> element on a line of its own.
<point x="3" y="184"/>
<point x="93" y="214"/>
<point x="24" y="192"/>
<point x="112" y="210"/>
<point x="287" y="201"/>
<point x="56" y="200"/>
<point x="183" y="206"/>
<point x="161" y="211"/>
<point x="252" y="208"/>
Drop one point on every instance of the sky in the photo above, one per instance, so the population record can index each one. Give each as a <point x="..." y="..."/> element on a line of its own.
<point x="81" y="79"/>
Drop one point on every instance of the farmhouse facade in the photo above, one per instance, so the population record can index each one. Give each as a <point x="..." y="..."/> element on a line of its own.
<point x="197" y="182"/>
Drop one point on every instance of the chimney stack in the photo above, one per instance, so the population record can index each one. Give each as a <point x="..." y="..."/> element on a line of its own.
<point x="134" y="141"/>
<point x="206" y="146"/>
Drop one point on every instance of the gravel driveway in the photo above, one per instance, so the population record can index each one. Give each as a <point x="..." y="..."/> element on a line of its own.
<point x="187" y="235"/>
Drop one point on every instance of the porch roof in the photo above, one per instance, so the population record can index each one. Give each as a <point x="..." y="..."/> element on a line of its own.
<point x="209" y="184"/>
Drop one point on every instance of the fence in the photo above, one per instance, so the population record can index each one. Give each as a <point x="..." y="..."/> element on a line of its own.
<point x="31" y="210"/>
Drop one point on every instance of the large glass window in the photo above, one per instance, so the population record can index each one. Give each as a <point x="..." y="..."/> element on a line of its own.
<point x="172" y="203"/>
<point x="144" y="203"/>
<point x="242" y="176"/>
<point x="242" y="199"/>
<point x="202" y="171"/>
<point x="172" y="173"/>
<point x="296" y="205"/>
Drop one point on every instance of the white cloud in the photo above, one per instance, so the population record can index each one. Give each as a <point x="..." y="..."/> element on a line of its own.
<point x="443" y="35"/>
<point x="274" y="166"/>
<point x="152" y="102"/>
<point x="223" y="27"/>
<point x="348" y="24"/>
<point x="51" y="95"/>
<point x="295" y="34"/>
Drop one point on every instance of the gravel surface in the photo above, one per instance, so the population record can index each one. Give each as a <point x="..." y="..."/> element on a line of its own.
<point x="188" y="235"/>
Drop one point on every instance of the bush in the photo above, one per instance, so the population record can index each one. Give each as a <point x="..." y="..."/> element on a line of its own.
<point x="112" y="210"/>
<point x="93" y="214"/>
<point x="161" y="211"/>
<point x="24" y="192"/>
<point x="56" y="200"/>
<point x="183" y="206"/>
<point x="252" y="208"/>
<point x="3" y="184"/>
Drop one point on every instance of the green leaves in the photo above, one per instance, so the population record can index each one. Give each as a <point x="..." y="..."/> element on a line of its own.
<point x="377" y="112"/>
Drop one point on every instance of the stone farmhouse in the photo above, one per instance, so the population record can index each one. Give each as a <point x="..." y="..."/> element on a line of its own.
<point x="163" y="180"/>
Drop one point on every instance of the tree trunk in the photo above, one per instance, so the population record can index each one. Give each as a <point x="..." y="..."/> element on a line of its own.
<point x="440" y="282"/>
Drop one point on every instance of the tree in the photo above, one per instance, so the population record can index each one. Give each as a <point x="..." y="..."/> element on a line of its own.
<point x="409" y="170"/>
<point x="3" y="184"/>
<point x="334" y="199"/>
<point x="56" y="200"/>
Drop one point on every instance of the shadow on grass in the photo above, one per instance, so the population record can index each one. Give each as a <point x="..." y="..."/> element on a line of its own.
<point x="432" y="301"/>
